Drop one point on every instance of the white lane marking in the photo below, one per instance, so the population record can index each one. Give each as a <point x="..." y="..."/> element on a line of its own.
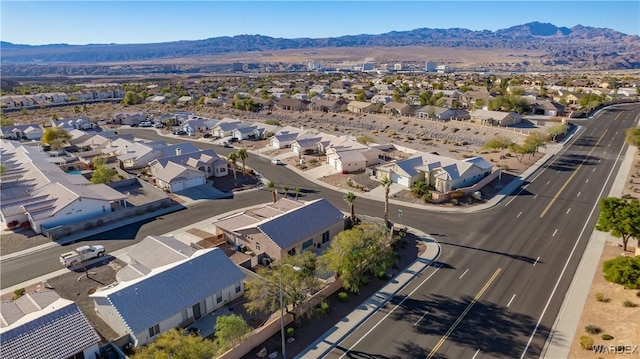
<point x="465" y="272"/>
<point x="569" y="210"/>
<point x="476" y="354"/>
<point x="388" y="314"/>
<point x="578" y="194"/>
<point x="425" y="313"/>
<point x="509" y="304"/>
<point x="534" y="197"/>
<point x="566" y="264"/>
<point x="587" y="181"/>
<point x="547" y="183"/>
<point x="593" y="170"/>
<point x="554" y="234"/>
<point x="536" y="262"/>
<point x="519" y="214"/>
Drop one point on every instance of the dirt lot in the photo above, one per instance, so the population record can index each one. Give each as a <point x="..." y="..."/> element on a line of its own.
<point x="611" y="316"/>
<point x="623" y="323"/>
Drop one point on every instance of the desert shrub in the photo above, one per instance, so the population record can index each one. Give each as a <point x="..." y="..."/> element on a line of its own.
<point x="586" y="342"/>
<point x="600" y="297"/>
<point x="606" y="337"/>
<point x="343" y="296"/>
<point x="272" y="121"/>
<point x="324" y="307"/>
<point x="629" y="304"/>
<point x="290" y="332"/>
<point x="18" y="293"/>
<point x="592" y="329"/>
<point x="623" y="270"/>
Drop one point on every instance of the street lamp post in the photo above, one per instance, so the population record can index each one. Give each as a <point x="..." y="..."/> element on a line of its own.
<point x="297" y="269"/>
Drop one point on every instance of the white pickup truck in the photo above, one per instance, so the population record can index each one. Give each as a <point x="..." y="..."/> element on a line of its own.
<point x="81" y="254"/>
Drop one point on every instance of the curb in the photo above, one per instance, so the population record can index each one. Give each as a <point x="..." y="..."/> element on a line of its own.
<point x="376" y="301"/>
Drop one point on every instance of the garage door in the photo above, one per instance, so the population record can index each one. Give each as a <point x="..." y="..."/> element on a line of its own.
<point x="177" y="187"/>
<point x="395" y="178"/>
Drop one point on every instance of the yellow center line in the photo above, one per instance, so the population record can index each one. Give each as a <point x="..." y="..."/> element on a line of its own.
<point x="464" y="313"/>
<point x="553" y="200"/>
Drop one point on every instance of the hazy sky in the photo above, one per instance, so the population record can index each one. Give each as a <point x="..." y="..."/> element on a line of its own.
<point x="101" y="22"/>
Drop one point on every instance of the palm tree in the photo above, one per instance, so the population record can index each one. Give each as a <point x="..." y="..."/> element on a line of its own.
<point x="243" y="155"/>
<point x="350" y="197"/>
<point x="286" y="191"/>
<point x="233" y="159"/>
<point x="297" y="192"/>
<point x="274" y="189"/>
<point x="386" y="183"/>
<point x="419" y="188"/>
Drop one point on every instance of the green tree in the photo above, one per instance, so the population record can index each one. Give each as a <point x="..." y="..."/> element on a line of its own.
<point x="56" y="137"/>
<point x="632" y="136"/>
<point x="297" y="192"/>
<point x="274" y="190"/>
<point x="557" y="130"/>
<point x="356" y="252"/>
<point x="85" y="110"/>
<point x="233" y="160"/>
<point x="623" y="270"/>
<point x="263" y="292"/>
<point x="172" y="344"/>
<point x="500" y="143"/>
<point x="286" y="190"/>
<point x="364" y="139"/>
<point x="243" y="154"/>
<point x="620" y="217"/>
<point x="6" y="122"/>
<point x="132" y="98"/>
<point x="102" y="173"/>
<point x="536" y="140"/>
<point x="231" y="330"/>
<point x="521" y="150"/>
<point x="386" y="183"/>
<point x="350" y="198"/>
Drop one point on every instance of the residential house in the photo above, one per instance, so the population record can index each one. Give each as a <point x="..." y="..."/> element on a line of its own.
<point x="245" y="133"/>
<point x="545" y="107"/>
<point x="476" y="98"/>
<point x="56" y="97"/>
<point x="495" y="118"/>
<point x="284" y="137"/>
<point x="442" y="173"/>
<point x="383" y="99"/>
<point x="139" y="154"/>
<point x="38" y="192"/>
<point x="286" y="227"/>
<point x="43" y="325"/>
<point x="205" y="161"/>
<point x="398" y="109"/>
<point x="225" y="127"/>
<point x="183" y="287"/>
<point x="198" y="125"/>
<point x="360" y="107"/>
<point x="350" y="156"/>
<point x="442" y="113"/>
<point x="7" y="102"/>
<point x="69" y="124"/>
<point x="327" y="105"/>
<point x="19" y="132"/>
<point x="129" y="118"/>
<point x="292" y="104"/>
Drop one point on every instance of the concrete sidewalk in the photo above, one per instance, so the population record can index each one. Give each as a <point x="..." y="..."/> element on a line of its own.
<point x="338" y="332"/>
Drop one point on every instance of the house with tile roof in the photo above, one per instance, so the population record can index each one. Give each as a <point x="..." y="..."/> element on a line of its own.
<point x="286" y="227"/>
<point x="348" y="156"/>
<point x="225" y="127"/>
<point x="158" y="297"/>
<point x="18" y="132"/>
<point x="360" y="107"/>
<point x="198" y="124"/>
<point x="495" y="118"/>
<point x="398" y="109"/>
<point x="285" y="136"/>
<point x="206" y="161"/>
<point x="443" y="173"/>
<point x="442" y="113"/>
<point x="129" y="118"/>
<point x="43" y="325"/>
<point x="134" y="155"/>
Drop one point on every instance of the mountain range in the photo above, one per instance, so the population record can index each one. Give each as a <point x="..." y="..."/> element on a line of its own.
<point x="547" y="45"/>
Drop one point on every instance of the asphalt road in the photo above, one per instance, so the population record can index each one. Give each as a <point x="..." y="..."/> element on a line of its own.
<point x="500" y="281"/>
<point x="502" y="275"/>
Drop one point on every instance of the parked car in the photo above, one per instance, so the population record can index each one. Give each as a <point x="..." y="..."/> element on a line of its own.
<point x="81" y="254"/>
<point x="146" y="124"/>
<point x="180" y="132"/>
<point x="233" y="139"/>
<point x="207" y="135"/>
<point x="159" y="125"/>
<point x="276" y="162"/>
<point x="224" y="144"/>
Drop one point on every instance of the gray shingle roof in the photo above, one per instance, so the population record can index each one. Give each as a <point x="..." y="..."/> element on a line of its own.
<point x="172" y="289"/>
<point x="59" y="334"/>
<point x="294" y="226"/>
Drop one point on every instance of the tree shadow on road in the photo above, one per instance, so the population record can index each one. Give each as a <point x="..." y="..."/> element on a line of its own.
<point x="491" y="328"/>
<point x="514" y="256"/>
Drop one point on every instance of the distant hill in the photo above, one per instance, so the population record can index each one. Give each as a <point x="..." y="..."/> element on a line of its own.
<point x="581" y="47"/>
